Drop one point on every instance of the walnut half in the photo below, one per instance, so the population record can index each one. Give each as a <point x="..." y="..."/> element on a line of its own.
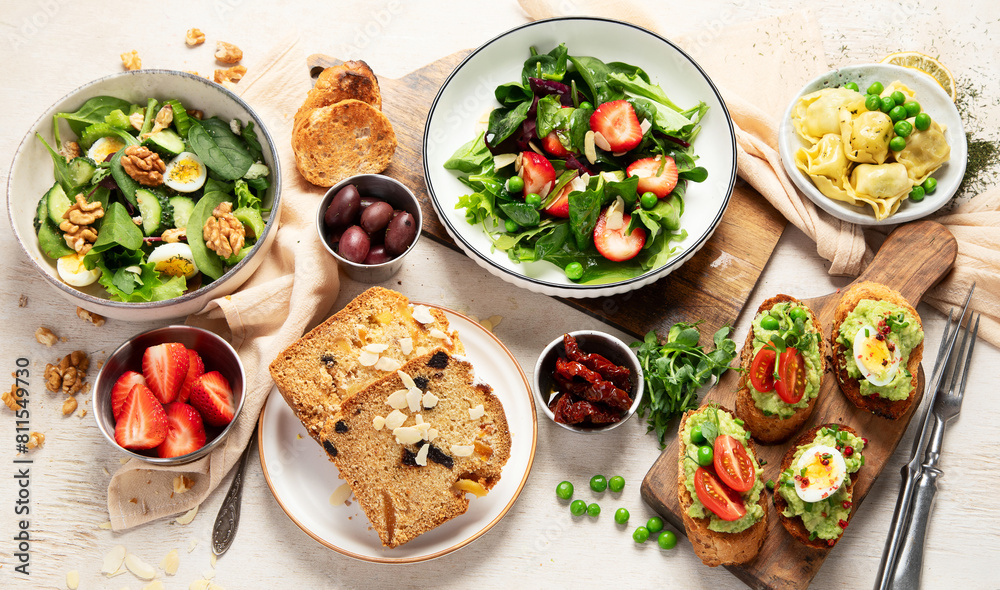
<point x="77" y="221"/>
<point x="131" y="61"/>
<point x="223" y="233"/>
<point x="194" y="36"/>
<point x="227" y="53"/>
<point x="143" y="165"/>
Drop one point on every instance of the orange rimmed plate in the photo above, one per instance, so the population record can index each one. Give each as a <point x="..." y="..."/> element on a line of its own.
<point x="301" y="478"/>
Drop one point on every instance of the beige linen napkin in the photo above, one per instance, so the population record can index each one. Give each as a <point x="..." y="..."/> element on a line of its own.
<point x="294" y="287"/>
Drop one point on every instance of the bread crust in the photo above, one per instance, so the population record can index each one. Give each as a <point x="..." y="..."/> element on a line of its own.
<point x="773" y="429"/>
<point x="714" y="548"/>
<point x="794" y="525"/>
<point x="851" y="387"/>
<point x="350" y="80"/>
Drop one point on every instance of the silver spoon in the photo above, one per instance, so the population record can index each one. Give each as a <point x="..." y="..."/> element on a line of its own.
<point x="228" y="518"/>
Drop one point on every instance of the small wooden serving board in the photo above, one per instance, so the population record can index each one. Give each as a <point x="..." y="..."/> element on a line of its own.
<point x="912" y="259"/>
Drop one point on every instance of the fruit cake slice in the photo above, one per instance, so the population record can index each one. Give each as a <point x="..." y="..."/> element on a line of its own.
<point x="370" y="338"/>
<point x="413" y="443"/>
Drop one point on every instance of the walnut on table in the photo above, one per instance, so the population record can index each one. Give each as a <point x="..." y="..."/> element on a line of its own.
<point x="10" y="398"/>
<point x="227" y="53"/>
<point x="143" y="165"/>
<point x="194" y="37"/>
<point x="46" y="336"/>
<point x="93" y="318"/>
<point x="233" y="74"/>
<point x="69" y="406"/>
<point x="35" y="439"/>
<point x="131" y="61"/>
<point x="70" y="375"/>
<point x="223" y="233"/>
<point x="77" y="221"/>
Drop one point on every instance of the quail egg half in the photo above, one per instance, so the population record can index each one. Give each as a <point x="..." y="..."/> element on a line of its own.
<point x="104" y="147"/>
<point x="876" y="357"/>
<point x="186" y="173"/>
<point x="73" y="272"/>
<point x="822" y="470"/>
<point x="174" y="260"/>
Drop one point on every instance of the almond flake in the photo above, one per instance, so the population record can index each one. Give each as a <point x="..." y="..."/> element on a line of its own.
<point x="406" y="379"/>
<point x="192" y="544"/>
<point x="376" y="348"/>
<point x="422" y="455"/>
<point x="462" y="450"/>
<point x="615" y="217"/>
<point x="423" y="427"/>
<point x="154" y="585"/>
<point x="378" y="422"/>
<point x="395" y="419"/>
<point x="199" y="585"/>
<point x="503" y="160"/>
<point x="517" y="163"/>
<point x="105" y="525"/>
<point x="588" y="147"/>
<point x="387" y="364"/>
<point x="422" y="314"/>
<point x="171" y="561"/>
<point x="432" y="433"/>
<point x="340" y="495"/>
<point x="397" y="399"/>
<point x="430" y="400"/>
<point x="435" y="333"/>
<point x="208" y="574"/>
<point x="413" y="399"/>
<point x="182" y="483"/>
<point x="72" y="579"/>
<point x="140" y="568"/>
<point x="188" y="516"/>
<point x="477" y="412"/>
<point x="407" y="435"/>
<point x="406" y="345"/>
<point x="601" y="142"/>
<point x="367" y="359"/>
<point x="212" y="558"/>
<point x="113" y="560"/>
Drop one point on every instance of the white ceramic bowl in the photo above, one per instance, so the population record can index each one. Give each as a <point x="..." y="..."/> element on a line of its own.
<point x="933" y="101"/>
<point x="468" y="93"/>
<point x="31" y="175"/>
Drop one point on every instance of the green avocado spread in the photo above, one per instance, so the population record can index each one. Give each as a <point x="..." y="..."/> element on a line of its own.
<point x="905" y="335"/>
<point x="768" y="402"/>
<point x="727" y="425"/>
<point x="822" y="519"/>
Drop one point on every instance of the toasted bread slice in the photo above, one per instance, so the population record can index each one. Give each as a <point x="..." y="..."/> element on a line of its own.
<point x="714" y="548"/>
<point x="851" y="387"/>
<point x="401" y="498"/>
<point x="321" y="370"/>
<point x="794" y="525"/>
<point x="350" y="80"/>
<point x="772" y="429"/>
<point x="334" y="142"/>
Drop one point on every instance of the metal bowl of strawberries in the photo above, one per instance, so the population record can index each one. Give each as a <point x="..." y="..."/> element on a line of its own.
<point x="170" y="395"/>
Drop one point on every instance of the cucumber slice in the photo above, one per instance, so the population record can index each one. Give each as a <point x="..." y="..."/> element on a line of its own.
<point x="182" y="210"/>
<point x="58" y="203"/>
<point x="165" y="142"/>
<point x="51" y="242"/>
<point x="181" y="120"/>
<point x="81" y="170"/>
<point x="42" y="212"/>
<point x="151" y="211"/>
<point x="251" y="220"/>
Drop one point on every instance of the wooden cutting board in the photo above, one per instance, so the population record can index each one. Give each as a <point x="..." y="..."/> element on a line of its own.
<point x="913" y="258"/>
<point x="713" y="286"/>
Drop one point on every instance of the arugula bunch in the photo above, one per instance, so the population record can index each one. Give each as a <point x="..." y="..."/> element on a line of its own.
<point x="675" y="369"/>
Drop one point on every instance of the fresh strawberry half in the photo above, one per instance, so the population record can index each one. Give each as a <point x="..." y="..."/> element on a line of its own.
<point x="143" y="423"/>
<point x="651" y="178"/>
<point x="185" y="431"/>
<point x="121" y="389"/>
<point x="213" y="398"/>
<point x="165" y="366"/>
<point x="615" y="244"/>
<point x="537" y="173"/>
<point x="618" y="123"/>
<point x="552" y="145"/>
<point x="560" y="206"/>
<point x="196" y="368"/>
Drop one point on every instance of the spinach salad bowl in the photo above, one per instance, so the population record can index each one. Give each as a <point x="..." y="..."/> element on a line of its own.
<point x="500" y="107"/>
<point x="231" y="148"/>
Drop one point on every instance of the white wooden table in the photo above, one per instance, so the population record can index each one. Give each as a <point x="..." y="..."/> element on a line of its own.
<point x="49" y="48"/>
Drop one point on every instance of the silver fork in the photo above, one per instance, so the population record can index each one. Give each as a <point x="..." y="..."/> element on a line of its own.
<point x="946" y="407"/>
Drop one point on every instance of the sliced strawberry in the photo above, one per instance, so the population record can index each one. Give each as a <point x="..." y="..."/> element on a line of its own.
<point x="615" y="244"/>
<point x="213" y="398"/>
<point x="165" y="366"/>
<point x="552" y="145"/>
<point x="119" y="391"/>
<point x="653" y="180"/>
<point x="196" y="367"/>
<point x="538" y="174"/>
<point x="617" y="122"/>
<point x="560" y="206"/>
<point x="143" y="423"/>
<point x="185" y="431"/>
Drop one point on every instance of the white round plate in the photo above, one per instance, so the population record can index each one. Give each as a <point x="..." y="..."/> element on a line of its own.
<point x="468" y="93"/>
<point x="302" y="478"/>
<point x="933" y="101"/>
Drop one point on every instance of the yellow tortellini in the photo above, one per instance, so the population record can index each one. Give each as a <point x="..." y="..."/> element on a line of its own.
<point x="818" y="113"/>
<point x="865" y="135"/>
<point x="925" y="152"/>
<point x="826" y="164"/>
<point x="882" y="186"/>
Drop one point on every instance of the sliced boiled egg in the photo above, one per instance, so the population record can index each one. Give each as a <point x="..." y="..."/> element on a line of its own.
<point x="174" y="260"/>
<point x="874" y="358"/>
<point x="104" y="147"/>
<point x="819" y="473"/>
<point x="73" y="272"/>
<point x="186" y="173"/>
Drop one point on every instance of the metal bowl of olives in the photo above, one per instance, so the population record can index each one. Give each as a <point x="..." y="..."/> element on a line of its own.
<point x="369" y="223"/>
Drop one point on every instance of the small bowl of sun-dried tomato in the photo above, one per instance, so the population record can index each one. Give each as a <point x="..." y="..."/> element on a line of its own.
<point x="588" y="381"/>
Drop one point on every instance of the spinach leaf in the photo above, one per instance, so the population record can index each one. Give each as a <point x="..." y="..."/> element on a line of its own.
<point x="627" y="189"/>
<point x="696" y="174"/>
<point x="118" y="229"/>
<point x="665" y="215"/>
<point x="579" y="125"/>
<point x="504" y="122"/>
<point x="92" y="111"/>
<point x="548" y="66"/>
<point x="249" y="136"/>
<point x="512" y="93"/>
<point x="207" y="261"/>
<point x="638" y="86"/>
<point x="584" y="209"/>
<point x="63" y="173"/>
<point x="521" y="213"/>
<point x="471" y="157"/>
<point x="553" y="241"/>
<point x="126" y="184"/>
<point x="213" y="185"/>
<point x="245" y="198"/>
<point x="219" y="148"/>
<point x="478" y="206"/>
<point x="551" y="115"/>
<point x="595" y="74"/>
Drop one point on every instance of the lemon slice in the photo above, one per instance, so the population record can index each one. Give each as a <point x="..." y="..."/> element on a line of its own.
<point x="927" y="65"/>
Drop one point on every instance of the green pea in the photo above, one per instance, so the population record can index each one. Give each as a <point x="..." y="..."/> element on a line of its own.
<point x="897" y="114"/>
<point x="930" y="185"/>
<point x="564" y="490"/>
<point x="534" y="200"/>
<point x="917" y="194"/>
<point x="648" y="200"/>
<point x="769" y="322"/>
<point x="616" y="483"/>
<point x="593" y="510"/>
<point x="705" y="455"/>
<point x="667" y="540"/>
<point x="897" y="143"/>
<point x="574" y="271"/>
<point x="578" y="507"/>
<point x="598" y="483"/>
<point x="696" y="436"/>
<point x="641" y="535"/>
<point x="511" y="226"/>
<point x="621" y="516"/>
<point x="515" y="184"/>
<point x="873" y="102"/>
<point x="887" y="104"/>
<point x="851" y="86"/>
<point x="654" y="524"/>
<point x="902" y="128"/>
<point x="922" y="122"/>
<point x="586" y="105"/>
<point x="876" y="88"/>
<point x="898" y="97"/>
<point x="799" y="313"/>
<point x="912" y="108"/>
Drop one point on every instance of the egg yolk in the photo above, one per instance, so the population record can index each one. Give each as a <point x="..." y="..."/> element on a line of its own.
<point x="109" y="146"/>
<point x="185" y="171"/>
<point x="875" y="356"/>
<point x="175" y="266"/>
<point x="821" y="476"/>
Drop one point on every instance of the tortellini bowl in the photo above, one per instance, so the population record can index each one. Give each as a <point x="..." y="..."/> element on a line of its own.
<point x="837" y="154"/>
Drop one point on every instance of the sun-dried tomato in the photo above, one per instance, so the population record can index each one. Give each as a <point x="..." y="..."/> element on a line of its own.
<point x="620" y="376"/>
<point x="569" y="412"/>
<point x="595" y="391"/>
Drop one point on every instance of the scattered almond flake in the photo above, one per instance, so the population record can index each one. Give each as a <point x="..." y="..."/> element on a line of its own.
<point x="140" y="568"/>
<point x="199" y="585"/>
<point x="486" y="324"/>
<point x="182" y="483"/>
<point x="517" y="163"/>
<point x="105" y="525"/>
<point x="387" y="364"/>
<point x="113" y="560"/>
<point x="406" y="345"/>
<point x="429" y="400"/>
<point x="535" y="148"/>
<point x="495" y="320"/>
<point x="188" y="516"/>
<point x="397" y="399"/>
<point x="413" y="399"/>
<point x="72" y="579"/>
<point x="395" y="419"/>
<point x="123" y="460"/>
<point x="422" y="314"/>
<point x="615" y="217"/>
<point x="408" y="381"/>
<point x="477" y="412"/>
<point x="432" y="433"/>
<point x="192" y="544"/>
<point x="376" y="348"/>
<point x="154" y="585"/>
<point x="407" y="435"/>
<point x="418" y="419"/>
<point x="588" y="147"/>
<point x="340" y="495"/>
<point x="601" y="142"/>
<point x="440" y="335"/>
<point x="424" y="429"/>
<point x="121" y="570"/>
<point x="367" y="359"/>
<point x="422" y="455"/>
<point x="503" y="160"/>
<point x="171" y="561"/>
<point x="212" y="559"/>
<point x="462" y="450"/>
<point x="378" y="422"/>
<point x="420" y="351"/>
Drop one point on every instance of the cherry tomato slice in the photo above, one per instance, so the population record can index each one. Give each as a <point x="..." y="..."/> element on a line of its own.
<point x="791" y="383"/>
<point x="762" y="370"/>
<point x="722" y="501"/>
<point x="732" y="464"/>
